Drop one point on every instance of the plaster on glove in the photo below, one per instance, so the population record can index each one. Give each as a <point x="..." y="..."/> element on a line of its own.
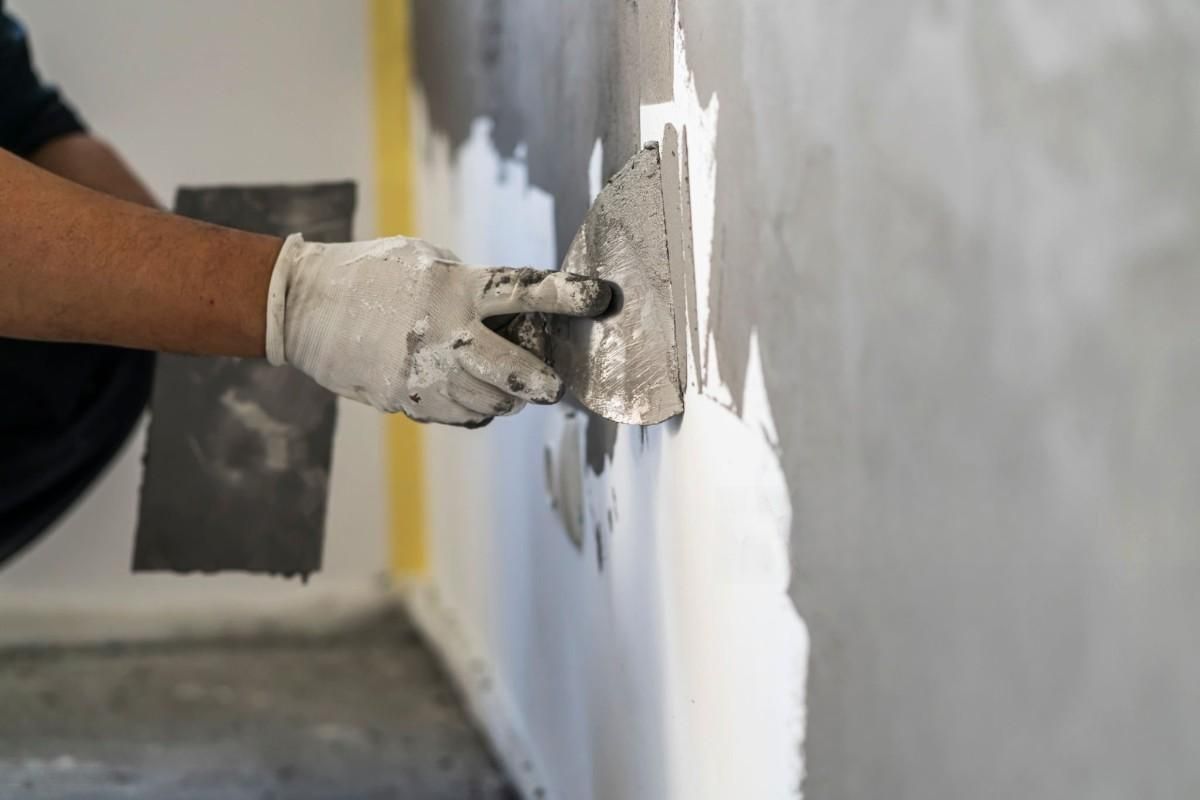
<point x="399" y="324"/>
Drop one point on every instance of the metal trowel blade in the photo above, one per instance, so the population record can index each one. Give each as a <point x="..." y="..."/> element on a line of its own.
<point x="624" y="365"/>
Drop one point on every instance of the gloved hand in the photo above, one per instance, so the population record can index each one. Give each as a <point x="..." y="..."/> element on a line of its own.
<point x="398" y="323"/>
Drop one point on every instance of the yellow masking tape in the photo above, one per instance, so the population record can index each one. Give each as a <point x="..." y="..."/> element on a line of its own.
<point x="391" y="62"/>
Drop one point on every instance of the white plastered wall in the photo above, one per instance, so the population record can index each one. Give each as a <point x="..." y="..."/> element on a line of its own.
<point x="661" y="657"/>
<point x="222" y="91"/>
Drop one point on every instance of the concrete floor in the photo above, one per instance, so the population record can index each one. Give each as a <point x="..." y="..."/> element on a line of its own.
<point x="363" y="714"/>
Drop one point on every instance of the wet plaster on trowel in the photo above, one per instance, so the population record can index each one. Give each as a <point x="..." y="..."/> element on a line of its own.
<point x="624" y="363"/>
<point x="689" y="128"/>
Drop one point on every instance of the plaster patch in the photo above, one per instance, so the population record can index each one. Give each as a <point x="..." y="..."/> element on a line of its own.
<point x="276" y="436"/>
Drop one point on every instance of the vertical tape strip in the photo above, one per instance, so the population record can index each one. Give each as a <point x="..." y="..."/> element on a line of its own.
<point x="391" y="63"/>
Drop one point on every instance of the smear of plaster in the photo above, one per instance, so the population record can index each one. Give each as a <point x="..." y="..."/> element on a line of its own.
<point x="276" y="436"/>
<point x="565" y="464"/>
<point x="601" y="436"/>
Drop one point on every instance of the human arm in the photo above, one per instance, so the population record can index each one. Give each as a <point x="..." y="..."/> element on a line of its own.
<point x="69" y="261"/>
<point x="92" y="162"/>
<point x="74" y="263"/>
<point x="79" y="265"/>
<point x="396" y="323"/>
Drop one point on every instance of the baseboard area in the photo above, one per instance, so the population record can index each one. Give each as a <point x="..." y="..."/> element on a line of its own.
<point x="69" y="624"/>
<point x="487" y="699"/>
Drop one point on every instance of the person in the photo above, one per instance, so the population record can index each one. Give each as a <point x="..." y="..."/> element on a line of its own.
<point x="96" y="278"/>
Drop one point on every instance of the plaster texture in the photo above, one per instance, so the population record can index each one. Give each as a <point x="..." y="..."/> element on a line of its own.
<point x="956" y="243"/>
<point x="238" y="451"/>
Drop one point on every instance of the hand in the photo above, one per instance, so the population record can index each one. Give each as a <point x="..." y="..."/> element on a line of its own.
<point x="398" y="324"/>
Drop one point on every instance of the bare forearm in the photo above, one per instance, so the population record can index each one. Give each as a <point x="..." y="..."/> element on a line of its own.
<point x="90" y="162"/>
<point x="77" y="265"/>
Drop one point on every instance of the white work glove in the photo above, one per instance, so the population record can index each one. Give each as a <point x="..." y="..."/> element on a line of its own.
<point x="398" y="324"/>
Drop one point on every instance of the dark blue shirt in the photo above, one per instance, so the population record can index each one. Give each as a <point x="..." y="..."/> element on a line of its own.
<point x="31" y="113"/>
<point x="65" y="409"/>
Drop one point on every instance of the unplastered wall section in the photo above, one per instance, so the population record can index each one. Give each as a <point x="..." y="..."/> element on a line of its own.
<point x="614" y="598"/>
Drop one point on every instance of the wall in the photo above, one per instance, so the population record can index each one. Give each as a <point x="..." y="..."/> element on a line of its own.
<point x="194" y="94"/>
<point x="945" y="353"/>
<point x="658" y="655"/>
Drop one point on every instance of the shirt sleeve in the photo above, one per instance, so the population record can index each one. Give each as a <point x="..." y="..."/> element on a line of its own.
<point x="31" y="113"/>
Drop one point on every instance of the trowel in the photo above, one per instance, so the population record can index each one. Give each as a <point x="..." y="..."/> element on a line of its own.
<point x="623" y="365"/>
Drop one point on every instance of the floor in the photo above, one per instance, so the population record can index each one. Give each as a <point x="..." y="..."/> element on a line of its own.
<point x="362" y="714"/>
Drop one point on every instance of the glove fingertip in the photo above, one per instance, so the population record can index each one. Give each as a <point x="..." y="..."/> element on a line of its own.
<point x="542" y="387"/>
<point x="581" y="296"/>
<point x="552" y="390"/>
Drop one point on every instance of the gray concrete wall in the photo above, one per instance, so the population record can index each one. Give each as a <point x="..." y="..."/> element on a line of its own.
<point x="968" y="237"/>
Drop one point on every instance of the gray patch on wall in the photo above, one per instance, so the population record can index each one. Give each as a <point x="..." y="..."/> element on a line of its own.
<point x="238" y="452"/>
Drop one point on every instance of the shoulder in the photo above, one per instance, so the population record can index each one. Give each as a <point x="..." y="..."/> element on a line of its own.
<point x="12" y="34"/>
